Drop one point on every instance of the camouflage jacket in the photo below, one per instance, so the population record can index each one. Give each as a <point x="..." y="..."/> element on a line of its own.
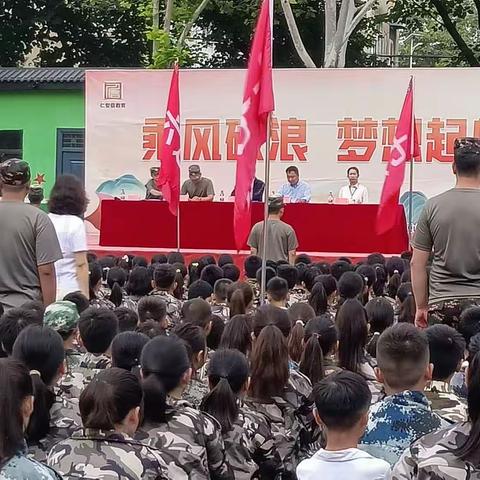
<point x="250" y="447"/>
<point x="431" y="457"/>
<point x="222" y="310"/>
<point x="103" y="455"/>
<point x="256" y="291"/>
<point x="20" y="467"/>
<point x="195" y="392"/>
<point x="397" y="421"/>
<point x="296" y="295"/>
<point x="174" y="307"/>
<point x="445" y="403"/>
<point x="101" y="302"/>
<point x="190" y="441"/>
<point x="64" y="421"/>
<point x="88" y="365"/>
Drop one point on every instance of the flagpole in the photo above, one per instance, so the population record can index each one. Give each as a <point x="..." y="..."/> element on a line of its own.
<point x="412" y="161"/>
<point x="263" y="281"/>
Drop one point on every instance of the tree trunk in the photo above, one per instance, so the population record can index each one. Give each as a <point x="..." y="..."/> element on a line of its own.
<point x="155" y="23"/>
<point x="167" y="20"/>
<point x="191" y="23"/>
<point x="454" y="33"/>
<point x="342" y="54"/>
<point x="295" y="34"/>
<point x="330" y="25"/>
<point x="331" y="56"/>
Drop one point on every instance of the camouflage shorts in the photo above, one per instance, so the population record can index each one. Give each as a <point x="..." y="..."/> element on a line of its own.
<point x="448" y="312"/>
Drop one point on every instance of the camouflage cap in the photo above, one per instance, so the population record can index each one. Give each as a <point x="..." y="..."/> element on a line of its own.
<point x="61" y="316"/>
<point x="14" y="172"/>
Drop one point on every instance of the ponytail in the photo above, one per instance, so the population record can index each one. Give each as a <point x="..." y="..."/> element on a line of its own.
<point x="378" y="287"/>
<point x="311" y="363"/>
<point x="116" y="295"/>
<point x="237" y="334"/>
<point x="222" y="404"/>
<point x="237" y="303"/>
<point x="318" y="299"/>
<point x="295" y="347"/>
<point x="470" y="450"/>
<point x="393" y="284"/>
<point x="407" y="310"/>
<point x="39" y="425"/>
<point x="154" y="399"/>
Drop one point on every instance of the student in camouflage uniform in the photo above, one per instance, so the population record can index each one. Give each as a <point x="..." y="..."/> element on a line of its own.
<point x="451" y="453"/>
<point x="163" y="286"/>
<point x="54" y="418"/>
<point x="104" y="449"/>
<point x="219" y="299"/>
<point x="404" y="414"/>
<point x="98" y="298"/>
<point x="251" y="266"/>
<point x="190" y="441"/>
<point x="249" y="445"/>
<point x="447" y="348"/>
<point x="16" y="405"/>
<point x="97" y="328"/>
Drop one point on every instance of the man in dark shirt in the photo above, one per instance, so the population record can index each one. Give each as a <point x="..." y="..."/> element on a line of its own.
<point x="258" y="189"/>
<point x="198" y="188"/>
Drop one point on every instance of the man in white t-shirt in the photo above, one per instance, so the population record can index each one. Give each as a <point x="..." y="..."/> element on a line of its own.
<point x="342" y="401"/>
<point x="354" y="192"/>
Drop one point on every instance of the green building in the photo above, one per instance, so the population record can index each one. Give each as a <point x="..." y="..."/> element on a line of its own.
<point x="42" y="120"/>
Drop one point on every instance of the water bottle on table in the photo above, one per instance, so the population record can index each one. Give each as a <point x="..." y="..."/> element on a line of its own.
<point x="330" y="198"/>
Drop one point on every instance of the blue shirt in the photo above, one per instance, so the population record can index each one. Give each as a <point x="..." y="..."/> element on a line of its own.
<point x="300" y="192"/>
<point x="397" y="421"/>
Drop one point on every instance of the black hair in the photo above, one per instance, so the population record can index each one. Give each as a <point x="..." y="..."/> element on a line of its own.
<point x="318" y="299"/>
<point x="127" y="319"/>
<point x="139" y="282"/>
<point x="152" y="308"/>
<point x="97" y="327"/>
<point x="271" y="315"/>
<point x="108" y="398"/>
<point x="198" y="312"/>
<point x="231" y="271"/>
<point x="350" y="285"/>
<point x="37" y="307"/>
<point x="395" y="267"/>
<point x="175" y="257"/>
<point x="402" y="355"/>
<point x="195" y="341"/>
<point x="341" y="399"/>
<point x="239" y="297"/>
<point x="303" y="258"/>
<point x="40" y="349"/>
<point x="151" y="329"/>
<point x="339" y="267"/>
<point x="345" y="259"/>
<point x="251" y="265"/>
<point x="94" y="277"/>
<point x="216" y="332"/>
<point x="164" y="361"/>
<point x="139" y="261"/>
<point x="200" y="289"/>
<point x="204" y="261"/>
<point x="299" y="313"/>
<point x="380" y="315"/>
<point x="406" y="255"/>
<point x="224" y="259"/>
<point x="289" y="273"/>
<point x="469" y="324"/>
<point x="35" y="196"/>
<point x="381" y="280"/>
<point x="466" y="156"/>
<point x="116" y="278"/>
<point x="211" y="273"/>
<point x="16" y="385"/>
<point x="227" y="375"/>
<point x="269" y="274"/>
<point x="329" y="283"/>
<point x="375" y="258"/>
<point x="447" y="348"/>
<point x="277" y="288"/>
<point x="309" y="276"/>
<point x="473" y="347"/>
<point x="12" y="322"/>
<point x="292" y="168"/>
<point x="159" y="258"/>
<point x="367" y="272"/>
<point x="68" y="197"/>
<point x="91" y="257"/>
<point x="324" y="267"/>
<point x="238" y="334"/>
<point x="164" y="276"/>
<point x="220" y="289"/>
<point x="406" y="277"/>
<point x="311" y="361"/>
<point x="353" y="168"/>
<point x="127" y="348"/>
<point x="79" y="299"/>
<point x="352" y="335"/>
<point x="193" y="271"/>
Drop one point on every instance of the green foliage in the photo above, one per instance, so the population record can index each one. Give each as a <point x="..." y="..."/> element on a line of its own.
<point x="167" y="53"/>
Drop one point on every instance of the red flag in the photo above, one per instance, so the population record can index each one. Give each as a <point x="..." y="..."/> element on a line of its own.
<point x="169" y="178"/>
<point x="258" y="102"/>
<point x="400" y="153"/>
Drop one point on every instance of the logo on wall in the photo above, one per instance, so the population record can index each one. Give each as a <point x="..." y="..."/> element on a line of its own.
<point x="113" y="94"/>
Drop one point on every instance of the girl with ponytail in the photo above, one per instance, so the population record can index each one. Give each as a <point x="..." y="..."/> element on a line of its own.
<point x="239" y="298"/>
<point x="195" y="445"/>
<point x="16" y="405"/>
<point x="249" y="445"/>
<point x="110" y="410"/>
<point x="96" y="297"/>
<point x="453" y="452"/>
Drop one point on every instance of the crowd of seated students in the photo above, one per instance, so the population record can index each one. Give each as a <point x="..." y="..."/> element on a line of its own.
<point x="174" y="371"/>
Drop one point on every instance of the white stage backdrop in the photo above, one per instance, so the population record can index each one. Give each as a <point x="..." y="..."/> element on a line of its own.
<point x="324" y="122"/>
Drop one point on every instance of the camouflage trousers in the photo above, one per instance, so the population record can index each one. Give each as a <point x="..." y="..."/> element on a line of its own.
<point x="448" y="312"/>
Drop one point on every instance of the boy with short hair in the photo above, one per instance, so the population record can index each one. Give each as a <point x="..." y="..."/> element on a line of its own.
<point x="277" y="292"/>
<point x="342" y="401"/>
<point x="164" y="285"/>
<point x="219" y="299"/>
<point x="199" y="313"/>
<point x="404" y="414"/>
<point x="447" y="349"/>
<point x="153" y="308"/>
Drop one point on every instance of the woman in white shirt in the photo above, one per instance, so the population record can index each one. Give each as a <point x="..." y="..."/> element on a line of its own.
<point x="67" y="205"/>
<point x="354" y="192"/>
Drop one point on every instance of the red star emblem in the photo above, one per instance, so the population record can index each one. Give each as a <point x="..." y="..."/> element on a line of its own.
<point x="40" y="178"/>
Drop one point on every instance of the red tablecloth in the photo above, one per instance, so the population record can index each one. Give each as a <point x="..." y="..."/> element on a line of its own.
<point x="209" y="226"/>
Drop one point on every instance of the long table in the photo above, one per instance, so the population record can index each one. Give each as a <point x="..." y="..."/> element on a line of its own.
<point x="209" y="226"/>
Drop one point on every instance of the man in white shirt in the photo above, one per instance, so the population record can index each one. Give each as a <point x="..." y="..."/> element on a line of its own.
<point x="296" y="190"/>
<point x="354" y="192"/>
<point x="342" y="401"/>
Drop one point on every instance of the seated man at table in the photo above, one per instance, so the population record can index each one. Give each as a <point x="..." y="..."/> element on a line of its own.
<point x="152" y="191"/>
<point x="258" y="190"/>
<point x="295" y="190"/>
<point x="282" y="241"/>
<point x="198" y="188"/>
